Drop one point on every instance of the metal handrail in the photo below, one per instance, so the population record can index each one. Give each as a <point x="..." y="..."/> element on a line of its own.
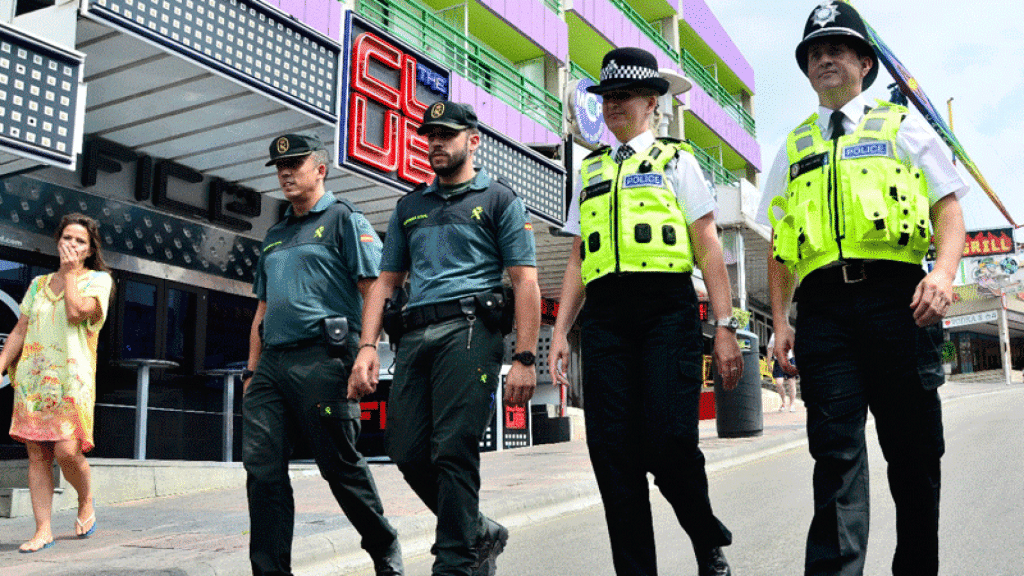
<point x="417" y="25"/>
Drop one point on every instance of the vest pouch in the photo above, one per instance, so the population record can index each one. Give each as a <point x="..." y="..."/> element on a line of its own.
<point x="922" y="225"/>
<point x="811" y="226"/>
<point x="870" y="217"/>
<point x="784" y="243"/>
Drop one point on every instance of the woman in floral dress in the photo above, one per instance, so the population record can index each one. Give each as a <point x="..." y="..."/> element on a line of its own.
<point x="51" y="354"/>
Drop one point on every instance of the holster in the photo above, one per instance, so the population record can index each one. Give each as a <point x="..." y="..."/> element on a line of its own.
<point x="392" y="321"/>
<point x="336" y="336"/>
<point x="497" y="309"/>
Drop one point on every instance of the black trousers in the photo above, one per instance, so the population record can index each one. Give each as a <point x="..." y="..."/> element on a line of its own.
<point x="300" y="393"/>
<point x="441" y="400"/>
<point x="859" y="349"/>
<point x="642" y="354"/>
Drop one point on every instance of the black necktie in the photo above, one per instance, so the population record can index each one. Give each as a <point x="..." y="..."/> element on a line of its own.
<point x="624" y="152"/>
<point x="836" y="121"/>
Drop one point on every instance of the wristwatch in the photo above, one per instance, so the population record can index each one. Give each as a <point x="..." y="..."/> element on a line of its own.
<point x="731" y="323"/>
<point x="246" y="374"/>
<point x="526" y="358"/>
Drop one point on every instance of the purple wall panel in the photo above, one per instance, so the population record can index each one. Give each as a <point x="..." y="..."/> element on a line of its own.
<point x="318" y="14"/>
<point x="697" y="14"/>
<point x="498" y="115"/>
<point x="717" y="119"/>
<point x="296" y="8"/>
<point x="335" y="24"/>
<point x="535" y="21"/>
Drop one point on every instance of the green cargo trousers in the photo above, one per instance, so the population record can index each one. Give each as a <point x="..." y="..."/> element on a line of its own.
<point x="441" y="401"/>
<point x="301" y="392"/>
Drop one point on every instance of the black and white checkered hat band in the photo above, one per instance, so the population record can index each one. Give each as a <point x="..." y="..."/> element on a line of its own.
<point x="615" y="72"/>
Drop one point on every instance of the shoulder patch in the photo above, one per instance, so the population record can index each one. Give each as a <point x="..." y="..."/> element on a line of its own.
<point x="598" y="152"/>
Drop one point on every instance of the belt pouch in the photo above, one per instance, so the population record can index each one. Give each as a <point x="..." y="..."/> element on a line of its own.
<point x="336" y="336"/>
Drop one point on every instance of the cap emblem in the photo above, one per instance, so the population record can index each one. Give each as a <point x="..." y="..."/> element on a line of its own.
<point x="282" y="144"/>
<point x="825" y="14"/>
<point x="437" y="110"/>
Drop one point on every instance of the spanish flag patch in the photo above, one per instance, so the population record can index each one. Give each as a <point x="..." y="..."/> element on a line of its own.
<point x="528" y="226"/>
<point x="366" y="237"/>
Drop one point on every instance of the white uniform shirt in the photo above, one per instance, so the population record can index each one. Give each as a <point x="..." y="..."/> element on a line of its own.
<point x="916" y="143"/>
<point x="685" y="179"/>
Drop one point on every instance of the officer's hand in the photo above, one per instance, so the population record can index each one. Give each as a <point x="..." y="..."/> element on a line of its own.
<point x="520" y="384"/>
<point x="365" y="373"/>
<point x="558" y="360"/>
<point x="932" y="298"/>
<point x="728" y="358"/>
<point x="784" y="339"/>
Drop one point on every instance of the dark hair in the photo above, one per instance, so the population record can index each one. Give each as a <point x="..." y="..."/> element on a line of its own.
<point x="95" y="261"/>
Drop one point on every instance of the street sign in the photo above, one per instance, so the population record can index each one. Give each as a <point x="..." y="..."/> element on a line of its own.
<point x="968" y="319"/>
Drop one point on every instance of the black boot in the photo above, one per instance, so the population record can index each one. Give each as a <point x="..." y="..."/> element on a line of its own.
<point x="712" y="563"/>
<point x="487" y="548"/>
<point x="389" y="562"/>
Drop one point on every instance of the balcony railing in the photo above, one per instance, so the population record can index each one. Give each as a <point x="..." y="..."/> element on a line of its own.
<point x="691" y="68"/>
<point x="698" y="73"/>
<point x="420" y="27"/>
<point x="577" y="72"/>
<point x="555" y="5"/>
<point x="719" y="172"/>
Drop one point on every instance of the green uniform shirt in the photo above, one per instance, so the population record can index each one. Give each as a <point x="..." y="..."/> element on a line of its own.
<point x="461" y="244"/>
<point x="309" y="267"/>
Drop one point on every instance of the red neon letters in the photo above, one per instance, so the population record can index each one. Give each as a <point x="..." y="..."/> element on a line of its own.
<point x="401" y="150"/>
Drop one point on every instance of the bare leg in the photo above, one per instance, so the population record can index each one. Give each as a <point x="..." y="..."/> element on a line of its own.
<point x="781" y="389"/>
<point x="791" y="386"/>
<point x="76" y="469"/>
<point x="40" y="486"/>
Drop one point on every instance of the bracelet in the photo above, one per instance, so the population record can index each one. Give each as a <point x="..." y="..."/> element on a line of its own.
<point x="361" y="346"/>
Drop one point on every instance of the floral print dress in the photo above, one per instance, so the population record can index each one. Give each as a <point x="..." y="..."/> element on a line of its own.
<point x="55" y="378"/>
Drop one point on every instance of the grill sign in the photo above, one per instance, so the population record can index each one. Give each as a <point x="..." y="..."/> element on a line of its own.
<point x="386" y="90"/>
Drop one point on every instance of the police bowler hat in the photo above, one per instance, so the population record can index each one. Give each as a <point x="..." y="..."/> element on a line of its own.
<point x="629" y="68"/>
<point x="293" y="145"/>
<point x="837" y="21"/>
<point x="449" y="115"/>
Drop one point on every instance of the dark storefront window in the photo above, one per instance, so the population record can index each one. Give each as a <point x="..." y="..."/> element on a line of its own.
<point x="15" y="277"/>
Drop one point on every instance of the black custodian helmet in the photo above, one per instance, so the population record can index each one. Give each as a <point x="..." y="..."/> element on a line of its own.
<point x="839" y="21"/>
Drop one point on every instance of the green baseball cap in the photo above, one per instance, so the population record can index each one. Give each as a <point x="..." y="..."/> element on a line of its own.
<point x="448" y="114"/>
<point x="292" y="145"/>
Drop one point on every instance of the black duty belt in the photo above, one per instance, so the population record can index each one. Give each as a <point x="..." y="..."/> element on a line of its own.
<point x="427" y="314"/>
<point x="855" y="271"/>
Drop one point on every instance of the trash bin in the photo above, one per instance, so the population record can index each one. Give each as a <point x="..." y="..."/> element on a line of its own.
<point x="738" y="412"/>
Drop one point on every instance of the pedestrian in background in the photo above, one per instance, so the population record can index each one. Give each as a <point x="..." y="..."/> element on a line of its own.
<point x="454" y="239"/>
<point x="853" y="196"/>
<point x="643" y="216"/>
<point x="315" y="267"/>
<point x="785" y="384"/>
<point x="53" y="351"/>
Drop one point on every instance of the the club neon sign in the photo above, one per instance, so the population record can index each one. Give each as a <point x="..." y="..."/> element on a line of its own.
<point x="386" y="89"/>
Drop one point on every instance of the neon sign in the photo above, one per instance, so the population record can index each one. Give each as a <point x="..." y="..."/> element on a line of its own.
<point x="387" y="89"/>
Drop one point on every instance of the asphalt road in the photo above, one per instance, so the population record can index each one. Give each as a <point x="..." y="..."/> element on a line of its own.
<point x="767" y="504"/>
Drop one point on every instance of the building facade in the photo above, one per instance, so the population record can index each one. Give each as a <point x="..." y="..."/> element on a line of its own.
<point x="154" y="115"/>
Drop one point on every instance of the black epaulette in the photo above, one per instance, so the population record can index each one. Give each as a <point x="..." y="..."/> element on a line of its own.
<point x="597" y="152"/>
<point x="349" y="205"/>
<point x="506" y="183"/>
<point x="669" y="140"/>
<point x="418" y="187"/>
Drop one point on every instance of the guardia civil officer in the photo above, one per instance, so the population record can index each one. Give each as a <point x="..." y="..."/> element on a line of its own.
<point x="453" y="239"/>
<point x="853" y="197"/>
<point x="643" y="216"/>
<point x="315" y="267"/>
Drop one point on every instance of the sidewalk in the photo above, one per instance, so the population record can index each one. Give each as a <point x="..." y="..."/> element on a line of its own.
<point x="206" y="533"/>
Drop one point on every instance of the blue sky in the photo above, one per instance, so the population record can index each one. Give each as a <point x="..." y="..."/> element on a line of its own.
<point x="970" y="51"/>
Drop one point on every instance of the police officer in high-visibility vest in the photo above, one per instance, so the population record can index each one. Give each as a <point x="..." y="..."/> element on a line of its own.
<point x="642" y="215"/>
<point x="853" y="198"/>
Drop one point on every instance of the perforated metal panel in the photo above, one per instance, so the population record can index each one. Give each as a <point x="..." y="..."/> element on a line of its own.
<point x="537" y="180"/>
<point x="37" y="207"/>
<point x="246" y="40"/>
<point x="41" y="93"/>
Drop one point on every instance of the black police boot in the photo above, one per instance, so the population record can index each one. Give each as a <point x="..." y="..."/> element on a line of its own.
<point x="389" y="562"/>
<point x="488" y="547"/>
<point x="712" y="563"/>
